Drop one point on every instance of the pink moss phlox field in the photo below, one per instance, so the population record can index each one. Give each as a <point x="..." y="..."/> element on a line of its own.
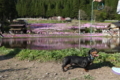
<point x="41" y="27"/>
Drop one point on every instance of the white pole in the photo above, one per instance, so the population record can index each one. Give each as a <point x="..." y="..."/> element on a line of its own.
<point x="79" y="22"/>
<point x="91" y="18"/>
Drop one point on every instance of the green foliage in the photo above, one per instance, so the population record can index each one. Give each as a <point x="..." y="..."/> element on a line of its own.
<point x="54" y="55"/>
<point x="10" y="9"/>
<point x="7" y="12"/>
<point x="58" y="55"/>
<point x="7" y="9"/>
<point x="13" y="53"/>
<point x="5" y="27"/>
<point x="65" y="8"/>
<point x="88" y="30"/>
<point x="3" y="50"/>
<point x="104" y="57"/>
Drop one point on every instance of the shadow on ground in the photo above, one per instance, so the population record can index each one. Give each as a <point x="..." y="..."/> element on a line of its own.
<point x="96" y="65"/>
<point x="102" y="64"/>
<point x="10" y="54"/>
<point x="11" y="70"/>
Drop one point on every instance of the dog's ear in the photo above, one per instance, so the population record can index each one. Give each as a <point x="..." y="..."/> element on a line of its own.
<point x="89" y="52"/>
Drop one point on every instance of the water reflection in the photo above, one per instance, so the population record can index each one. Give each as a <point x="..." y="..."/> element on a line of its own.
<point x="61" y="43"/>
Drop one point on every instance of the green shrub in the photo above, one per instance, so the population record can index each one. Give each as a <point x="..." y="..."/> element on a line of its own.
<point x="58" y="55"/>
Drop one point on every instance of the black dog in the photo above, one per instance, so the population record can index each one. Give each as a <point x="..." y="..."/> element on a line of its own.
<point x="83" y="62"/>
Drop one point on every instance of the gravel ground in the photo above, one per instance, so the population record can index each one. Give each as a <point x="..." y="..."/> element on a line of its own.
<point x="14" y="69"/>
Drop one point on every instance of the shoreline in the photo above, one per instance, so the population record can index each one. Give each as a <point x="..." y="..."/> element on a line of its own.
<point x="53" y="35"/>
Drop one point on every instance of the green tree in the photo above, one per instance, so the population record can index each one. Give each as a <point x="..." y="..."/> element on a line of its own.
<point x="65" y="8"/>
<point x="75" y="9"/>
<point x="7" y="11"/>
<point x="58" y="8"/>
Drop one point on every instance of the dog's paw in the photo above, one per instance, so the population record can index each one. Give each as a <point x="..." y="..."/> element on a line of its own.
<point x="70" y="68"/>
<point x="64" y="70"/>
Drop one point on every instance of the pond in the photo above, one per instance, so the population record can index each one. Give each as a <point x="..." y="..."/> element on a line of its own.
<point x="101" y="43"/>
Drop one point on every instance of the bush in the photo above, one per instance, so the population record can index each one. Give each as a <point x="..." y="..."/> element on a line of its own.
<point x="58" y="55"/>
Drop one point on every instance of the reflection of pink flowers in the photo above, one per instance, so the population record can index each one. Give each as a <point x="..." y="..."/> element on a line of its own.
<point x="57" y="43"/>
<point x="52" y="34"/>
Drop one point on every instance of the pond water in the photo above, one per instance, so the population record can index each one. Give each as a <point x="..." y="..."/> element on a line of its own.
<point x="101" y="43"/>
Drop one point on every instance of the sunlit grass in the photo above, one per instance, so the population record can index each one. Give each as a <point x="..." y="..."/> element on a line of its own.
<point x="45" y="21"/>
<point x="58" y="21"/>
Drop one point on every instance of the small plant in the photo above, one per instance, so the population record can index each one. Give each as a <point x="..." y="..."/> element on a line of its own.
<point x="75" y="79"/>
<point x="62" y="79"/>
<point x="89" y="77"/>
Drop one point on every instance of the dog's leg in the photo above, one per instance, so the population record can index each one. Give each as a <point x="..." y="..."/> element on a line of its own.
<point x="66" y="61"/>
<point x="86" y="68"/>
<point x="71" y="66"/>
<point x="63" y="68"/>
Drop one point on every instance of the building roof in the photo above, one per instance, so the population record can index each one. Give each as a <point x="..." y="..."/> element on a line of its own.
<point x="17" y="25"/>
<point x="117" y="24"/>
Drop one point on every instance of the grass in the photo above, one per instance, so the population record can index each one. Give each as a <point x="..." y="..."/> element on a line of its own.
<point x="104" y="59"/>
<point x="45" y="21"/>
<point x="57" y="21"/>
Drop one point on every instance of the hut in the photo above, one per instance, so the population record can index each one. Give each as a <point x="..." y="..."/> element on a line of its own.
<point x="114" y="28"/>
<point x="19" y="26"/>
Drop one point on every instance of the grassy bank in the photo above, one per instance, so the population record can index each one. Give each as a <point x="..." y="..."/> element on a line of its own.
<point x="57" y="55"/>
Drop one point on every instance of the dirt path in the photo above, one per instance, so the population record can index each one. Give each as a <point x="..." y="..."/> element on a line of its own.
<point x="13" y="69"/>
